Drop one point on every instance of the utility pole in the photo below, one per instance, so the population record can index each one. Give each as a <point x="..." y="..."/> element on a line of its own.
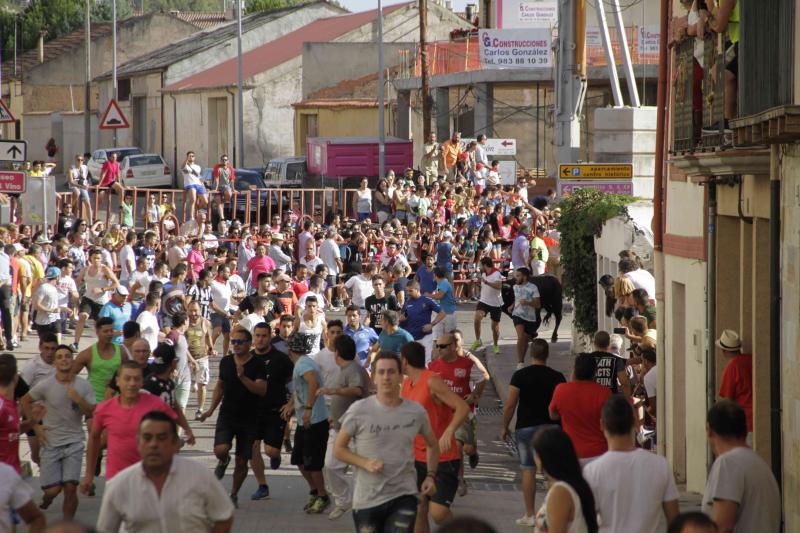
<point x="570" y="78"/>
<point x="423" y="54"/>
<point x="381" y="103"/>
<point x="87" y="97"/>
<point x="114" y="57"/>
<point x="240" y="82"/>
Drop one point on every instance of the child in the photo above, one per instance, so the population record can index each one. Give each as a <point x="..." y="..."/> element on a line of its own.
<point x="126" y="210"/>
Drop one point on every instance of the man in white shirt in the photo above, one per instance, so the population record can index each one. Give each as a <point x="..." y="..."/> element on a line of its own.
<point x="360" y="286"/>
<point x="196" y="227"/>
<point x="177" y="252"/>
<point x="194" y="192"/>
<point x="326" y="357"/>
<point x="520" y="248"/>
<point x="127" y="259"/>
<point x="45" y="303"/>
<point x="331" y="258"/>
<point x="164" y="491"/>
<point x="641" y="278"/>
<point x="490" y="303"/>
<point x="16" y="495"/>
<point x="634" y="489"/>
<point x="148" y="323"/>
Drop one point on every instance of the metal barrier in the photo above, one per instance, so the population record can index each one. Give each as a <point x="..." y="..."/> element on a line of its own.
<point x="254" y="206"/>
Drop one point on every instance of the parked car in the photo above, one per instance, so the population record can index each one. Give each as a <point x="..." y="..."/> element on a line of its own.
<point x="145" y="170"/>
<point x="246" y="179"/>
<point x="99" y="156"/>
<point x="286" y="173"/>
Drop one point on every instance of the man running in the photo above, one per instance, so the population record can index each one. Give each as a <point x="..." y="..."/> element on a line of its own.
<point x="241" y="385"/>
<point x="363" y="336"/>
<point x="378" y="302"/>
<point x="416" y="317"/>
<point x="271" y="426"/>
<point x="526" y="302"/>
<point x="198" y="337"/>
<point x="490" y="303"/>
<point x="66" y="399"/>
<point x="385" y="489"/>
<point x="446" y="412"/>
<point x="101" y="359"/>
<point x="100" y="281"/>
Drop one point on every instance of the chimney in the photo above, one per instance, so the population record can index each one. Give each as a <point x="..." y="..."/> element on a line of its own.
<point x="40" y="46"/>
<point x="470" y="11"/>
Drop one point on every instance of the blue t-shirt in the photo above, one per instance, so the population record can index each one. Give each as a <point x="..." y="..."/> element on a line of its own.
<point x="444" y="255"/>
<point x="320" y="410"/>
<point x="427" y="284"/>
<point x="448" y="302"/>
<point x="392" y="342"/>
<point x="364" y="337"/>
<point x="418" y="313"/>
<point x="118" y="314"/>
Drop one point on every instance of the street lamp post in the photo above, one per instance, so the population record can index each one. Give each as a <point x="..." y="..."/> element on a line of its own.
<point x="240" y="82"/>
<point x="381" y="103"/>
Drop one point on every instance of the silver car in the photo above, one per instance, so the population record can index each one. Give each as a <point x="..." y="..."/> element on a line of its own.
<point x="99" y="156"/>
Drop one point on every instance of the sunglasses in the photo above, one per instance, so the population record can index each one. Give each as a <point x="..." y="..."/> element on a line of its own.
<point x="442" y="346"/>
<point x="237" y="342"/>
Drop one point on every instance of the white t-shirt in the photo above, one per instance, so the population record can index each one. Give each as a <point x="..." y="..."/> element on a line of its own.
<point x="191" y="174"/>
<point x="361" y="287"/>
<point x="66" y="288"/>
<point x="250" y="321"/>
<point x="311" y="264"/>
<point x="650" y="381"/>
<point x="47" y="296"/>
<point x="144" y="283"/>
<point x="14" y="494"/>
<point x="301" y="302"/>
<point x="148" y="325"/>
<point x="127" y="262"/>
<point x="221" y="294"/>
<point x="326" y="360"/>
<point x="329" y="253"/>
<point x="629" y="490"/>
<point x="491" y="296"/>
<point x="642" y="279"/>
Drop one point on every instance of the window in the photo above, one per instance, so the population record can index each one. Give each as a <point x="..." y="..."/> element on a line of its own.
<point x="124" y="89"/>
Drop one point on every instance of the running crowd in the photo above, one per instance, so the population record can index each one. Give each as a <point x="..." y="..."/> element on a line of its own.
<point x="377" y="410"/>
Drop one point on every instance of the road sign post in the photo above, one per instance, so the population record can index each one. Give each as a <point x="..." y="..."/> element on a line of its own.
<point x="588" y="171"/>
<point x="5" y="115"/>
<point x="113" y="118"/>
<point x="496" y="147"/>
<point x="15" y="150"/>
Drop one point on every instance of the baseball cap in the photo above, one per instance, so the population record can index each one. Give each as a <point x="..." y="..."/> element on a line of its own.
<point x="122" y="290"/>
<point x="52" y="273"/>
<point x="277" y="237"/>
<point x="300" y="343"/>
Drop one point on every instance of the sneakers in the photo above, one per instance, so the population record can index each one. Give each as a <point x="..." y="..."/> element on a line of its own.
<point x="462" y="487"/>
<point x="526" y="520"/>
<point x="473" y="460"/>
<point x="475" y="345"/>
<point x="312" y="497"/>
<point x="261" y="494"/>
<point x="338" y="512"/>
<point x="235" y="501"/>
<point x="520" y="365"/>
<point x="219" y="471"/>
<point x="198" y="414"/>
<point x="275" y="462"/>
<point x="495" y="349"/>
<point x="74" y="346"/>
<point x="320" y="504"/>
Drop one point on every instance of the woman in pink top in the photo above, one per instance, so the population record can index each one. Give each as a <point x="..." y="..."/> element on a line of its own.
<point x="196" y="258"/>
<point x="259" y="263"/>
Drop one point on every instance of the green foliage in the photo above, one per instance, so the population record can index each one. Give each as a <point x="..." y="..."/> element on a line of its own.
<point x="102" y="10"/>
<point x="254" y="6"/>
<point x="582" y="217"/>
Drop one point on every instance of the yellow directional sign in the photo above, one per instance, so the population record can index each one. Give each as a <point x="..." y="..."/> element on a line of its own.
<point x="587" y="171"/>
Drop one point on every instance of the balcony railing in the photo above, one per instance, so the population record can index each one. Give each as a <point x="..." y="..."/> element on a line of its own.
<point x="698" y="120"/>
<point x="463" y="55"/>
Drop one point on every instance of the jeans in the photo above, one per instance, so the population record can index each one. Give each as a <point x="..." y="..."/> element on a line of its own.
<point x="525" y="444"/>
<point x="394" y="516"/>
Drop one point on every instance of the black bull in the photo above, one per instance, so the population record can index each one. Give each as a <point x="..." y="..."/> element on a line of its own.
<point x="550" y="295"/>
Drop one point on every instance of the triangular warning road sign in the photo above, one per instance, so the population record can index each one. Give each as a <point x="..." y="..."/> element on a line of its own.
<point x="5" y="114"/>
<point x="113" y="117"/>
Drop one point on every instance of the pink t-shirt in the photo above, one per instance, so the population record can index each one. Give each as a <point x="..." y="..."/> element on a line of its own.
<point x="112" y="172"/>
<point x="257" y="265"/>
<point x="9" y="434"/>
<point x="196" y="261"/>
<point x="121" y="424"/>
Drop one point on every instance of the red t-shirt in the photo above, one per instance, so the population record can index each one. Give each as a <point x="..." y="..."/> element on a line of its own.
<point x="579" y="404"/>
<point x="121" y="424"/>
<point x="9" y="433"/>
<point x="737" y="384"/>
<point x="439" y="414"/>
<point x="257" y="265"/>
<point x="455" y="374"/>
<point x="111" y="171"/>
<point x="299" y="287"/>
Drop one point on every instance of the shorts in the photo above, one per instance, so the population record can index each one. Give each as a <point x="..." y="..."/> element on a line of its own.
<point x="245" y="434"/>
<point x="494" y="312"/>
<point x="202" y="375"/>
<point x="396" y="516"/>
<point x="530" y="328"/>
<point x="60" y="464"/>
<point x="310" y="444"/>
<point x="732" y="52"/>
<point x="90" y="307"/>
<point x="270" y="429"/>
<point x="221" y="321"/>
<point x="83" y="194"/>
<point x="199" y="187"/>
<point x="224" y="186"/>
<point x="524" y="438"/>
<point x="25" y="304"/>
<point x="363" y="216"/>
<point x="331" y="279"/>
<point x="43" y="329"/>
<point x="446" y="480"/>
<point x="467" y="433"/>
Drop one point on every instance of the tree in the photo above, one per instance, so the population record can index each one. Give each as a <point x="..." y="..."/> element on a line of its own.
<point x="254" y="6"/>
<point x="102" y="10"/>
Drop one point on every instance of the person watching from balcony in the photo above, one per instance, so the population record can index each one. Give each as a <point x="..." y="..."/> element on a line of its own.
<point x="723" y="17"/>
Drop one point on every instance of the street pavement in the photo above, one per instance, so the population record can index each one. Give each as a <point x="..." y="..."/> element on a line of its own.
<point x="494" y="486"/>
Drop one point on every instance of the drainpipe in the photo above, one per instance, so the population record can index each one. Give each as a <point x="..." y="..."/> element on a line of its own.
<point x="775" y="312"/>
<point x="174" y="139"/>
<point x="233" y="120"/>
<point x="658" y="222"/>
<point x="711" y="301"/>
<point x="161" y="149"/>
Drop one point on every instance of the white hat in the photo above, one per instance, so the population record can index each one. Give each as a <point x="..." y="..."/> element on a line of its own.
<point x="277" y="237"/>
<point x="729" y="341"/>
<point x="448" y="235"/>
<point x="18" y="247"/>
<point x="122" y="290"/>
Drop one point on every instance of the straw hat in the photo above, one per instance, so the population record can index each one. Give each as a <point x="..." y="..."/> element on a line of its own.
<point x="729" y="341"/>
